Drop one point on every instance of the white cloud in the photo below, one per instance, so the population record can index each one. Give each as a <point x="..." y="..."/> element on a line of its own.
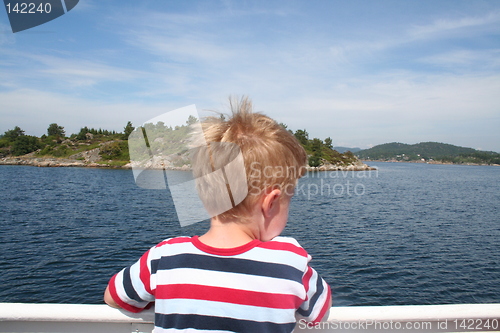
<point x="78" y="71"/>
<point x="465" y="59"/>
<point x="442" y="26"/>
<point x="398" y="107"/>
<point x="184" y="49"/>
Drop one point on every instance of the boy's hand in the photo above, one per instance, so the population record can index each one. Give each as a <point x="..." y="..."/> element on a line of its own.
<point x="109" y="300"/>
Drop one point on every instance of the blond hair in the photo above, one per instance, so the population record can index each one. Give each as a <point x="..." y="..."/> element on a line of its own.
<point x="272" y="156"/>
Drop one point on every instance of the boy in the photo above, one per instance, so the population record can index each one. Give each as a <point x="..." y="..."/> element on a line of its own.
<point x="239" y="276"/>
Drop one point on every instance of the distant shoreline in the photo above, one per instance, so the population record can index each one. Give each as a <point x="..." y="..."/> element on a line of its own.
<point x="429" y="162"/>
<point x="64" y="162"/>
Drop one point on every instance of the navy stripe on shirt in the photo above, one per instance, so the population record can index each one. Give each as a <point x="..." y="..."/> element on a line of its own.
<point x="314" y="299"/>
<point x="129" y="288"/>
<point x="200" y="322"/>
<point x="232" y="265"/>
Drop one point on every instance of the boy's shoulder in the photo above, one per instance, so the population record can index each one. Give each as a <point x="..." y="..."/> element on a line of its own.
<point x="286" y="244"/>
<point x="174" y="240"/>
<point x="188" y="239"/>
<point x="180" y="244"/>
<point x="286" y="240"/>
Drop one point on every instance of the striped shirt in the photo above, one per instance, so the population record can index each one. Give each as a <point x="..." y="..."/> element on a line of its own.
<point x="257" y="287"/>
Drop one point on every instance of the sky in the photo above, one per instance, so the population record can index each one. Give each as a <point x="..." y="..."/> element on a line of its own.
<point x="360" y="72"/>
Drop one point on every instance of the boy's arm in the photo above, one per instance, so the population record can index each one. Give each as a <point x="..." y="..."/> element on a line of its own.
<point x="318" y="302"/>
<point x="109" y="300"/>
<point x="127" y="282"/>
<point x="327" y="314"/>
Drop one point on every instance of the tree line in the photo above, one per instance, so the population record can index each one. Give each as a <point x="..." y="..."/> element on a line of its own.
<point x="55" y="143"/>
<point x="16" y="142"/>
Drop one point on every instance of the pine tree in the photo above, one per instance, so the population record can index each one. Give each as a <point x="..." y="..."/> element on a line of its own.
<point x="127" y="130"/>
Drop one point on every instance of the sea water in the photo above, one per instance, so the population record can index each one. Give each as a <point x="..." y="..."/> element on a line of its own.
<point x="403" y="234"/>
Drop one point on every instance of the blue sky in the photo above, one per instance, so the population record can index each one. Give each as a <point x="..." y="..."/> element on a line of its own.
<point x="361" y="72"/>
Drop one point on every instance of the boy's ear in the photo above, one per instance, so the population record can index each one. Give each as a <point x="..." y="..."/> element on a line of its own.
<point x="270" y="201"/>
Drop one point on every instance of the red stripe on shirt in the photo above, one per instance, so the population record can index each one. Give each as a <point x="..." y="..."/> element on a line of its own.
<point x="224" y="251"/>
<point x="277" y="245"/>
<point x="176" y="240"/>
<point x="228" y="295"/>
<point x="306" y="279"/>
<point x="145" y="272"/>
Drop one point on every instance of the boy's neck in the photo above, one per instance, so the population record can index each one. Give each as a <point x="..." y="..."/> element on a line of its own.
<point x="228" y="234"/>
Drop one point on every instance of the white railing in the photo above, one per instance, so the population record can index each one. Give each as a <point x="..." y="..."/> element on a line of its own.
<point x="22" y="317"/>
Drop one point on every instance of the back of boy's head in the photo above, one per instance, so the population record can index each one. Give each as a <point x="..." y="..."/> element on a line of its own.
<point x="273" y="158"/>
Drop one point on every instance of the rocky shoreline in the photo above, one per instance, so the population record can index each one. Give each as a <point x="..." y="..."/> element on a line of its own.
<point x="50" y="162"/>
<point x="86" y="163"/>
<point x="358" y="166"/>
